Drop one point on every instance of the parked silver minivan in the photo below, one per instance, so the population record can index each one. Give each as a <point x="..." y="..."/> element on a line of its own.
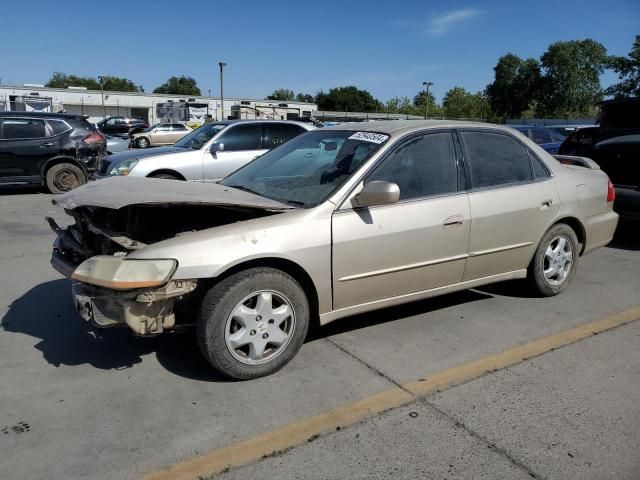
<point x="209" y="153"/>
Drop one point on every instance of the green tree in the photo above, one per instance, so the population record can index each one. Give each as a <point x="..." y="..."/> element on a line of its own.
<point x="570" y="85"/>
<point x="305" y="97"/>
<point x="64" y="80"/>
<point x="120" y="84"/>
<point x="282" y="94"/>
<point x="459" y="103"/>
<point x="179" y="86"/>
<point x="515" y="87"/>
<point x="348" y="99"/>
<point x="111" y="82"/>
<point x="628" y="70"/>
<point x="420" y="102"/>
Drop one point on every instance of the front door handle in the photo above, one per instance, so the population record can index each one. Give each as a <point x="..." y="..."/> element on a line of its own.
<point x="43" y="145"/>
<point x="452" y="221"/>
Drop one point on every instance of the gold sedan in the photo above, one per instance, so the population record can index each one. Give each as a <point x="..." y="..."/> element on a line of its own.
<point x="337" y="221"/>
<point x="160" y="134"/>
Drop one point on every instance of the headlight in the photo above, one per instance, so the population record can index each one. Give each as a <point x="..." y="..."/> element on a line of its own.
<point x="120" y="273"/>
<point x="124" y="167"/>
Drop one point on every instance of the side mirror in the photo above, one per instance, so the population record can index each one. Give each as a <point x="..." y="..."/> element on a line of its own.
<point x="375" y="193"/>
<point x="217" y="147"/>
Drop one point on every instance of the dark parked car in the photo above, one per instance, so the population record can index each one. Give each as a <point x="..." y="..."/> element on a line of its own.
<point x="122" y="125"/>
<point x="546" y="138"/>
<point x="615" y="146"/>
<point x="58" y="150"/>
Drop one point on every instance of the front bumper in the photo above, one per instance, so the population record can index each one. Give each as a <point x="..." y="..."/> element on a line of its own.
<point x="146" y="312"/>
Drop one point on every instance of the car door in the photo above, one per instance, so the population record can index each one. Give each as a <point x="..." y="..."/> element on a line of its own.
<point x="161" y="135"/>
<point x="416" y="244"/>
<point x="177" y="132"/>
<point x="24" y="147"/>
<point x="512" y="202"/>
<point x="242" y="143"/>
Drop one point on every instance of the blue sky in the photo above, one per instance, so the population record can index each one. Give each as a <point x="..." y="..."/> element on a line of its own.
<point x="386" y="47"/>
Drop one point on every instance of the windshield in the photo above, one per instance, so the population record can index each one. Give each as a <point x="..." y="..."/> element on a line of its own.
<point x="151" y="127"/>
<point x="196" y="139"/>
<point x="307" y="169"/>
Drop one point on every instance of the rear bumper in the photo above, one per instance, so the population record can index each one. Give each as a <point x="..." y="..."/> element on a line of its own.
<point x="627" y="203"/>
<point x="599" y="230"/>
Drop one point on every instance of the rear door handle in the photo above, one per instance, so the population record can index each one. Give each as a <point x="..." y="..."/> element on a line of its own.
<point x="452" y="221"/>
<point x="546" y="204"/>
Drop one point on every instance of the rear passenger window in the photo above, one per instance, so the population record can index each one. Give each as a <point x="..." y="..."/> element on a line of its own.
<point x="422" y="167"/>
<point x="58" y="126"/>
<point x="495" y="159"/>
<point x="539" y="170"/>
<point x="22" y="128"/>
<point x="278" y="133"/>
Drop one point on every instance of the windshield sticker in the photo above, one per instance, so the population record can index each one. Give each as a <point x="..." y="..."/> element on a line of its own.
<point x="369" y="137"/>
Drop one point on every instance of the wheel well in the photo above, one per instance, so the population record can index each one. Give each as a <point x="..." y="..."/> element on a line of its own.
<point x="577" y="227"/>
<point x="168" y="172"/>
<point x="58" y="161"/>
<point x="296" y="271"/>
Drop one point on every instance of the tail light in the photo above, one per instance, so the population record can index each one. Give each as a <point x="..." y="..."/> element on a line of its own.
<point x="611" y="192"/>
<point x="93" y="138"/>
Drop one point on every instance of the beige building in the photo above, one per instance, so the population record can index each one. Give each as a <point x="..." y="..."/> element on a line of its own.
<point x="151" y="107"/>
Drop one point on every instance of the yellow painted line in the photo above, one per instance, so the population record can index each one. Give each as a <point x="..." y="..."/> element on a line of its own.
<point x="283" y="438"/>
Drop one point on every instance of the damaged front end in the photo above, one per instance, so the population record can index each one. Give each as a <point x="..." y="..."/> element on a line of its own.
<point x="112" y="289"/>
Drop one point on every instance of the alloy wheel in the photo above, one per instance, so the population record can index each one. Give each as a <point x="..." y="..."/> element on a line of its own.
<point x="260" y="327"/>
<point x="558" y="260"/>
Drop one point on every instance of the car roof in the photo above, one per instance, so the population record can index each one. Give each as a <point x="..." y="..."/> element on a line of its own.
<point x="234" y="122"/>
<point x="397" y="128"/>
<point x="43" y="115"/>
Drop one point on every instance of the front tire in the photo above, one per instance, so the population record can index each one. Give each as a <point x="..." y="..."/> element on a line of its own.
<point x="143" y="142"/>
<point x="64" y="177"/>
<point x="253" y="323"/>
<point x="555" y="261"/>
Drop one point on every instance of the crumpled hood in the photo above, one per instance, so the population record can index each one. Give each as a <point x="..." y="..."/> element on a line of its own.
<point x="118" y="192"/>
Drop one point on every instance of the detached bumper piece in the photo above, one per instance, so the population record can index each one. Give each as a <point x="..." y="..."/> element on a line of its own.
<point x="146" y="313"/>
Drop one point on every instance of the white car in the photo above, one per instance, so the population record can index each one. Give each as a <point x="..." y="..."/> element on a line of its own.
<point x="209" y="153"/>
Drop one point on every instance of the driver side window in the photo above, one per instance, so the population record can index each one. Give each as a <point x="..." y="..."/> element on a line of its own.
<point x="242" y="137"/>
<point x="423" y="166"/>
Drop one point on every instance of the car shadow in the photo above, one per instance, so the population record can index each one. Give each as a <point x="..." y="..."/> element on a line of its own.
<point x="390" y="314"/>
<point x="627" y="236"/>
<point x="511" y="288"/>
<point x="22" y="190"/>
<point x="46" y="312"/>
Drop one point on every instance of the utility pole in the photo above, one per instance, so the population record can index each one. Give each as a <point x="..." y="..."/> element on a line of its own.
<point x="426" y="108"/>
<point x="222" y="65"/>
<point x="104" y="110"/>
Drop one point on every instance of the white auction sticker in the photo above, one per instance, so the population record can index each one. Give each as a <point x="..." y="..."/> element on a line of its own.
<point x="369" y="137"/>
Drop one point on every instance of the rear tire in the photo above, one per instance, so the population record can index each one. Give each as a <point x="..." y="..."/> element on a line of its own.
<point x="64" y="177"/>
<point x="555" y="262"/>
<point x="166" y="176"/>
<point x="142" y="142"/>
<point x="253" y="323"/>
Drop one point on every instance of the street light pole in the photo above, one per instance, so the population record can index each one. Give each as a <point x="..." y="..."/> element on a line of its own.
<point x="104" y="110"/>
<point x="222" y="65"/>
<point x="426" y="108"/>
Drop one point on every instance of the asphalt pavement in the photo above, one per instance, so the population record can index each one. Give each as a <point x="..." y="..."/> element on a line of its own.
<point x="80" y="403"/>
